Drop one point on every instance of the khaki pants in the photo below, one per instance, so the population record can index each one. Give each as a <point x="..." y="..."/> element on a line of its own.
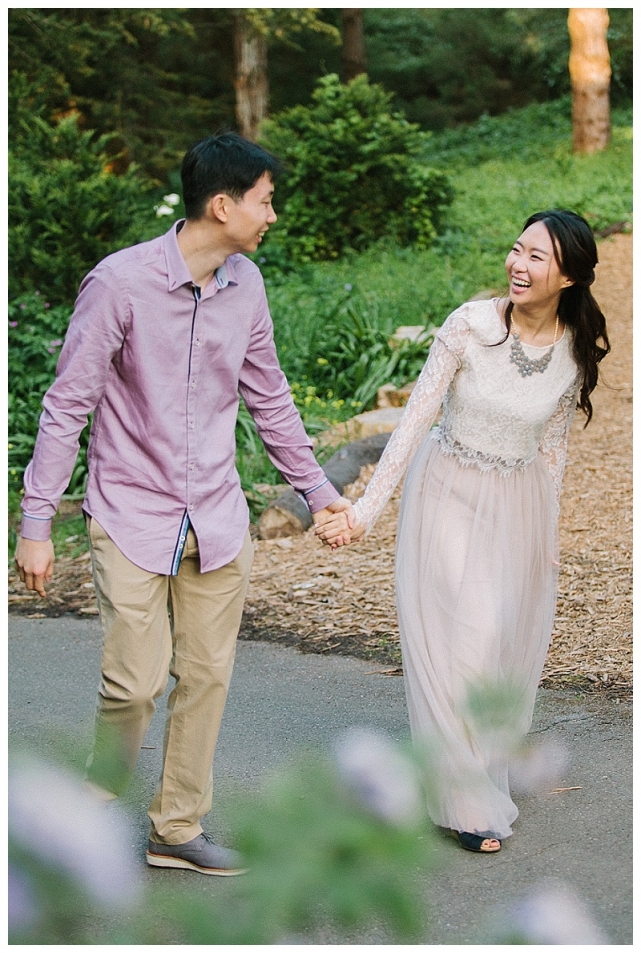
<point x="154" y="625"/>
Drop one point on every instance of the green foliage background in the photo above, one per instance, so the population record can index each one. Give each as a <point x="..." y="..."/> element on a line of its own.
<point x="353" y="173"/>
<point x="413" y="212"/>
<point x="158" y="78"/>
<point x="67" y="210"/>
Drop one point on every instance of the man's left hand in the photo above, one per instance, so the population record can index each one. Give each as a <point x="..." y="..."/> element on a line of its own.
<point x="338" y="506"/>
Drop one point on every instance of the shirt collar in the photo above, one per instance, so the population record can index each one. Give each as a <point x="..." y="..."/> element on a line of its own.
<point x="177" y="270"/>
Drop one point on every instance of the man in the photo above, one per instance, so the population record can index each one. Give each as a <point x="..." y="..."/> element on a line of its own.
<point x="163" y="338"/>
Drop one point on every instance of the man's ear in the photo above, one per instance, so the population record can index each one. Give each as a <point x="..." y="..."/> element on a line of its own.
<point x="218" y="207"/>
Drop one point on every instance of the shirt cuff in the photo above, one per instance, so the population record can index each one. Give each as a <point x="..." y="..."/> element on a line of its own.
<point x="321" y="496"/>
<point x="33" y="527"/>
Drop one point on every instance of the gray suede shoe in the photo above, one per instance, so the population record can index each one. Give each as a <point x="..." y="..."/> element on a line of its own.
<point x="199" y="854"/>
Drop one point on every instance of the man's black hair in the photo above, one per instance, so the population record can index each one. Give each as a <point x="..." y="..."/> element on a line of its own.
<point x="223" y="163"/>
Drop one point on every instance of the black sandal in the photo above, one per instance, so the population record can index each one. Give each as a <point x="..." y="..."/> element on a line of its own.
<point x="473" y="842"/>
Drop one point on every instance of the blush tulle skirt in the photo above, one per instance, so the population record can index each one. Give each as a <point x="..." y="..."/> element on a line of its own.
<point x="476" y="583"/>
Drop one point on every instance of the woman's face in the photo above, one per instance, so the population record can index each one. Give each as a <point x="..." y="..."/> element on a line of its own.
<point x="533" y="273"/>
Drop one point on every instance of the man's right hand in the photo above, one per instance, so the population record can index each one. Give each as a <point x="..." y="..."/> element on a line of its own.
<point x="34" y="561"/>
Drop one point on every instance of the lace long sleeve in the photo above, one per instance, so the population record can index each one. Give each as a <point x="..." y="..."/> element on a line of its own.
<point x="431" y="387"/>
<point x="554" y="441"/>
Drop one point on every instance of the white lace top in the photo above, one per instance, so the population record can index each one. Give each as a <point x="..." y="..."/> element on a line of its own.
<point x="492" y="416"/>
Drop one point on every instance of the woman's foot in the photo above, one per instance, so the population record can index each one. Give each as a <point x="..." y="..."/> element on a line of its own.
<point x="476" y="843"/>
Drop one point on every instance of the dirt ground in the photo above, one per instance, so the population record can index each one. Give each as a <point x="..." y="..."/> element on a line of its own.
<point x="343" y="602"/>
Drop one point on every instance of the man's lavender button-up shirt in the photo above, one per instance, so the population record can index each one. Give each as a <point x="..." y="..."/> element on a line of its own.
<point x="160" y="363"/>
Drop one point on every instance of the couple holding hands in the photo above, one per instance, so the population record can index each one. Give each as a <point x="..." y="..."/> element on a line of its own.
<point x="163" y="338"/>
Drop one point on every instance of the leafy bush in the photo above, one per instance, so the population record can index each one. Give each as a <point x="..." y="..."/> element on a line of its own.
<point x="67" y="209"/>
<point x="353" y="173"/>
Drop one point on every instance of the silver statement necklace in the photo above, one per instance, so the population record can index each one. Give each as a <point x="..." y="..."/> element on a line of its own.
<point x="527" y="365"/>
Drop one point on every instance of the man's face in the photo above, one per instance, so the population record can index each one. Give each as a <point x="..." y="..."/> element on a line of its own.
<point x="249" y="218"/>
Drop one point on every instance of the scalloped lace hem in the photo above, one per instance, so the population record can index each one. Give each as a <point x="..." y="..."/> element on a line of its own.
<point x="468" y="457"/>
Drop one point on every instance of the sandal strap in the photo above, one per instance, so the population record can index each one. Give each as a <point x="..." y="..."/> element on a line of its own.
<point x="473" y="841"/>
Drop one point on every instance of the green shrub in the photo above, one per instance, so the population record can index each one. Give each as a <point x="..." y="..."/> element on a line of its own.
<point x="353" y="174"/>
<point x="67" y="209"/>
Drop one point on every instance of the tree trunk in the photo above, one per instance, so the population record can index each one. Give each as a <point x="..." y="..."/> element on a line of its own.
<point x="251" y="83"/>
<point x="353" y="60"/>
<point x="590" y="74"/>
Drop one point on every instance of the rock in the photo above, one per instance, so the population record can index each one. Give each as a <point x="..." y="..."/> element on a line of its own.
<point x="412" y="332"/>
<point x="373" y="422"/>
<point x="288" y="515"/>
<point x="390" y="396"/>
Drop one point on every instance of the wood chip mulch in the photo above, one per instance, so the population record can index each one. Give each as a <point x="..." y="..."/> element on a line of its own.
<point x="343" y="602"/>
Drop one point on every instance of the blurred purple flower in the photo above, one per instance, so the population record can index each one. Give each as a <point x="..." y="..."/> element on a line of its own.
<point x="23" y="306"/>
<point x="22" y="905"/>
<point x="348" y="287"/>
<point x="47" y="305"/>
<point x="13" y="324"/>
<point x="379" y="776"/>
<point x="63" y="826"/>
<point x="55" y="343"/>
<point x="553" y="914"/>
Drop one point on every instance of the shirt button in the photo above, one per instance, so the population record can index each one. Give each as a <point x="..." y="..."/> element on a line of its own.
<point x="191" y="506"/>
<point x="191" y="466"/>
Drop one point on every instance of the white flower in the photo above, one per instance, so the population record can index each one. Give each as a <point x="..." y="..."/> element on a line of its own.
<point x="172" y="199"/>
<point x="163" y="210"/>
<point x="553" y="914"/>
<point x="59" y="823"/>
<point x="379" y="776"/>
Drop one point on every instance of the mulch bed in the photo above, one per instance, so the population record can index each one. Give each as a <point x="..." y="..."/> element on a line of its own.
<point x="303" y="595"/>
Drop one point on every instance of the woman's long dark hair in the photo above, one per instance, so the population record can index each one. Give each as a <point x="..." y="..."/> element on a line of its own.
<point x="576" y="255"/>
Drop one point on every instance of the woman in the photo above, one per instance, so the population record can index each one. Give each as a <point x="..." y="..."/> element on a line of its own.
<point x="477" y="563"/>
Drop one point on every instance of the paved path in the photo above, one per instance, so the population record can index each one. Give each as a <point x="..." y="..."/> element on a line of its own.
<point x="282" y="700"/>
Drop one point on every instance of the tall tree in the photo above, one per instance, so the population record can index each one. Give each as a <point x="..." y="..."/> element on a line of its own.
<point x="590" y="73"/>
<point x="250" y="80"/>
<point x="353" y="60"/>
<point x="253" y="30"/>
